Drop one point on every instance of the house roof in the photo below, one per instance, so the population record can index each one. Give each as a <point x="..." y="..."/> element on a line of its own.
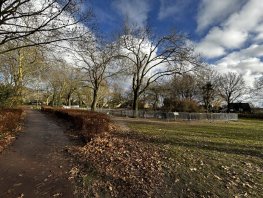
<point x="237" y="106"/>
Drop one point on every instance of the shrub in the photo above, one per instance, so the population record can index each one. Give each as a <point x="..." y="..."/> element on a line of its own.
<point x="6" y="94"/>
<point x="10" y="124"/>
<point x="9" y="119"/>
<point x="88" y="123"/>
<point x="185" y="105"/>
<point x="251" y="115"/>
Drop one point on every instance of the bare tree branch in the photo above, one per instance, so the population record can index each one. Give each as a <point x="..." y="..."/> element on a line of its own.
<point x="28" y="20"/>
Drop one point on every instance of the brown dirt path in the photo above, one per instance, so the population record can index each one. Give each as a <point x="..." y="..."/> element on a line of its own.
<point x="36" y="164"/>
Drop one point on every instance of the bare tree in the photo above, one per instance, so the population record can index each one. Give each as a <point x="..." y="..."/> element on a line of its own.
<point x="37" y="22"/>
<point x="259" y="84"/>
<point x="208" y="88"/>
<point x="19" y="67"/>
<point x="117" y="97"/>
<point x="96" y="59"/>
<point x="184" y="87"/>
<point x="256" y="91"/>
<point x="150" y="58"/>
<point x="73" y="83"/>
<point x="231" y="87"/>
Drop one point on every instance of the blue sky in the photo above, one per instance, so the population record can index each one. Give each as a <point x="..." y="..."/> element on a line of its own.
<point x="110" y="14"/>
<point x="227" y="33"/>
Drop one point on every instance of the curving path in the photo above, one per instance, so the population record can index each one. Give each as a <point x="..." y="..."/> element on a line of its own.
<point x="36" y="164"/>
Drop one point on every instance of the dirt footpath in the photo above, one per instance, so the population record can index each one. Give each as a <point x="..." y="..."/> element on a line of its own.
<point x="36" y="164"/>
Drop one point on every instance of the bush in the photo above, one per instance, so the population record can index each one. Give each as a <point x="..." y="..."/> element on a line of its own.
<point x="10" y="124"/>
<point x="88" y="123"/>
<point x="181" y="105"/>
<point x="6" y="94"/>
<point x="9" y="119"/>
<point x="251" y="115"/>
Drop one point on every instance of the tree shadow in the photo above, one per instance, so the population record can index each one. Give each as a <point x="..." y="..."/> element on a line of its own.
<point x="255" y="151"/>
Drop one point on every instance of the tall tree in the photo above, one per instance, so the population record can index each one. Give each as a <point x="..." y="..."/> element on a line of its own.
<point x="149" y="58"/>
<point x="208" y="87"/>
<point x="19" y="67"/>
<point x="184" y="87"/>
<point x="231" y="87"/>
<point x="259" y="84"/>
<point x="62" y="83"/>
<point x="208" y="91"/>
<point x="96" y="59"/>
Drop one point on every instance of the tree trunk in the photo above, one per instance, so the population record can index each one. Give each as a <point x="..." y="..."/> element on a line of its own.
<point x="94" y="100"/>
<point x="47" y="101"/>
<point x="228" y="102"/>
<point x="135" y="105"/>
<point x="69" y="100"/>
<point x="228" y="109"/>
<point x="53" y="99"/>
<point x="80" y="100"/>
<point x="20" y="79"/>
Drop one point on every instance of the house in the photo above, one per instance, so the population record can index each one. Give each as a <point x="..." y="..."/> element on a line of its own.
<point x="239" y="108"/>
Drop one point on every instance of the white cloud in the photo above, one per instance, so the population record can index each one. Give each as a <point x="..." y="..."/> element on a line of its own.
<point x="235" y="31"/>
<point x="228" y="38"/>
<point x="209" y="50"/>
<point x="246" y="62"/>
<point x="217" y="40"/>
<point x="136" y="11"/>
<point x="214" y="11"/>
<point x="259" y="33"/>
<point x="248" y="17"/>
<point x="247" y="58"/>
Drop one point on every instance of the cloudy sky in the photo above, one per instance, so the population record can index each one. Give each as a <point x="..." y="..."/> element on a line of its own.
<point x="227" y="33"/>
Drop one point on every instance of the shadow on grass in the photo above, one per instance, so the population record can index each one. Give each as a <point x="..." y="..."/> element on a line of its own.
<point x="255" y="151"/>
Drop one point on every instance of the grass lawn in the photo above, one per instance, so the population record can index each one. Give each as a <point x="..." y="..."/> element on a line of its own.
<point x="217" y="159"/>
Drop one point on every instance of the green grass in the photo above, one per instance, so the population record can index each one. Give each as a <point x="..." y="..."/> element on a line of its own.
<point x="217" y="159"/>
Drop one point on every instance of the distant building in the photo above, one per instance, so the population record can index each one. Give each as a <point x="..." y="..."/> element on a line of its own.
<point x="239" y="108"/>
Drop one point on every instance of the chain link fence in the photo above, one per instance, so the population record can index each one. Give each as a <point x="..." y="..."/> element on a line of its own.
<point x="171" y="115"/>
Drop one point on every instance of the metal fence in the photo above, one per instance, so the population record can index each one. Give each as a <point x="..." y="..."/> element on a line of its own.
<point x="171" y="115"/>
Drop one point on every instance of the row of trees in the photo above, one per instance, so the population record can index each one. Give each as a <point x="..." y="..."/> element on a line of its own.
<point x="208" y="91"/>
<point x="153" y="69"/>
<point x="137" y="55"/>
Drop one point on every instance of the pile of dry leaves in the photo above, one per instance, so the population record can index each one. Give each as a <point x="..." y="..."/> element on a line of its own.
<point x="120" y="164"/>
<point x="10" y="124"/>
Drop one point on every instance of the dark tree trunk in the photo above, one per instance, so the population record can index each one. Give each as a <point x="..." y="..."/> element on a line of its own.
<point x="228" y="102"/>
<point x="94" y="100"/>
<point x="135" y="105"/>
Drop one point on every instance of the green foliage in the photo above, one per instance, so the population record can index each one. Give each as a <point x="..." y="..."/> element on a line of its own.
<point x="6" y="94"/>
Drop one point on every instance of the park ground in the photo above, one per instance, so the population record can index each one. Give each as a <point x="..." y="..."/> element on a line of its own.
<point x="150" y="158"/>
<point x="138" y="158"/>
<point x="217" y="159"/>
